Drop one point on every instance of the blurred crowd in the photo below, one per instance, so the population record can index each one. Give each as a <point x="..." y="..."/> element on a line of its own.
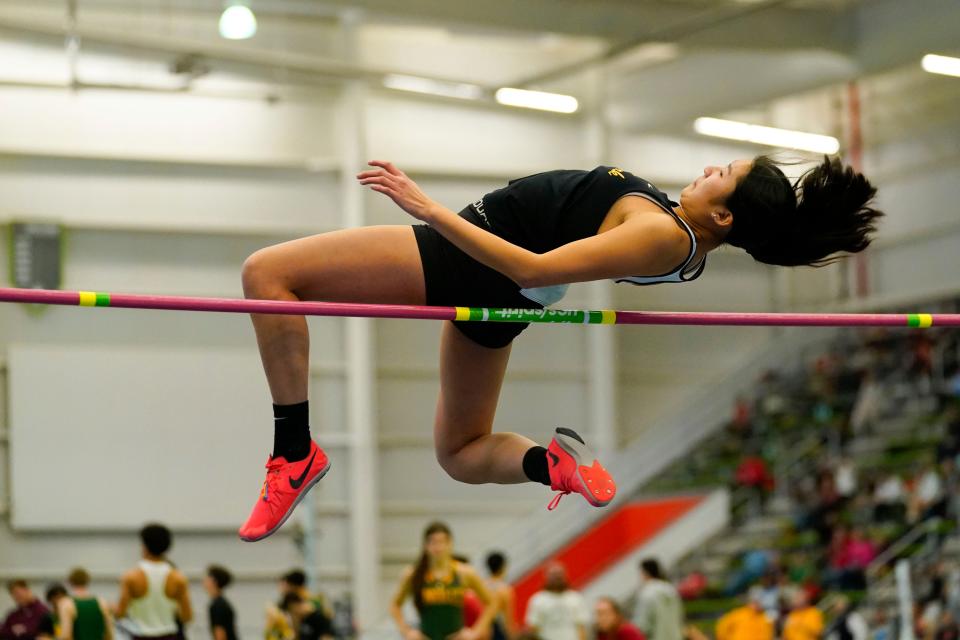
<point x="154" y="603"/>
<point x="855" y="493"/>
<point x="814" y="441"/>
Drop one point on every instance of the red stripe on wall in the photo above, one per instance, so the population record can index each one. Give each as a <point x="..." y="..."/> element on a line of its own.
<point x="605" y="544"/>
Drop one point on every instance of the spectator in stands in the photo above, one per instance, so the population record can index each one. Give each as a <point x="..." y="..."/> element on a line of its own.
<point x="827" y="507"/>
<point x="868" y="405"/>
<point x="949" y="447"/>
<point x="927" y="498"/>
<point x="805" y="621"/>
<point x="223" y="619"/>
<point x="748" y="622"/>
<point x="82" y="615"/>
<point x="659" y="612"/>
<point x="948" y="628"/>
<point x="847" y="623"/>
<point x="845" y="478"/>
<point x="610" y="624"/>
<point x="754" y="475"/>
<point x="850" y="555"/>
<point x="23" y="621"/>
<point x="890" y="498"/>
<point x="770" y="594"/>
<point x="755" y="563"/>
<point x="882" y="627"/>
<point x="557" y="612"/>
<point x="741" y="422"/>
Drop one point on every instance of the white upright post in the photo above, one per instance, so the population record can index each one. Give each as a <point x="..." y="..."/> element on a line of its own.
<point x="905" y="599"/>
<point x="601" y="340"/>
<point x="359" y="351"/>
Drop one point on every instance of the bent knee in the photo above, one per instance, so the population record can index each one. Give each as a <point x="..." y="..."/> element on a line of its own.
<point x="259" y="274"/>
<point x="454" y="464"/>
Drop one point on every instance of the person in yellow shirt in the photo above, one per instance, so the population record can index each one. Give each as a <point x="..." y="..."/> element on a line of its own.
<point x="748" y="622"/>
<point x="804" y="622"/>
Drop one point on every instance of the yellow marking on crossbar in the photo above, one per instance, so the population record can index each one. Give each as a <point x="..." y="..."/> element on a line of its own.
<point x="608" y="317"/>
<point x="926" y="320"/>
<point x="88" y="298"/>
<point x="463" y="313"/>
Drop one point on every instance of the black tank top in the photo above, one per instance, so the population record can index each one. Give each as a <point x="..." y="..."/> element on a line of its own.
<point x="547" y="210"/>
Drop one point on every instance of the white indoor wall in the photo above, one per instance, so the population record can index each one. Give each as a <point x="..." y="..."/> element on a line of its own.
<point x="168" y="193"/>
<point x="177" y="209"/>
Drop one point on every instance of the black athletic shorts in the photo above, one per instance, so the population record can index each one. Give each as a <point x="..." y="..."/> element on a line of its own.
<point x="454" y="279"/>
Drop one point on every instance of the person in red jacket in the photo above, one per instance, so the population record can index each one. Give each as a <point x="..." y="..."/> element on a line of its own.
<point x="23" y="622"/>
<point x="610" y="623"/>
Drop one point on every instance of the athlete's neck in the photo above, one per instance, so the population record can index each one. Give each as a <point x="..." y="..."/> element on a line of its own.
<point x="441" y="565"/>
<point x="705" y="238"/>
<point x="81" y="592"/>
<point x="149" y="557"/>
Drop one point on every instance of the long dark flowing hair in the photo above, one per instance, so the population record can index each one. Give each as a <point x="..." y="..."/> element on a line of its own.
<point x="825" y="212"/>
<point x="419" y="576"/>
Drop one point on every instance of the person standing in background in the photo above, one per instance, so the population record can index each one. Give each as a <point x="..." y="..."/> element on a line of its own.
<point x="748" y="622"/>
<point x="437" y="584"/>
<point x="49" y="628"/>
<point x="557" y="612"/>
<point x="309" y="622"/>
<point x="83" y="616"/>
<point x="805" y="621"/>
<point x="23" y="622"/>
<point x="610" y="624"/>
<point x="223" y="620"/>
<point x="295" y="581"/>
<point x="154" y="595"/>
<point x="659" y="611"/>
<point x="505" y="624"/>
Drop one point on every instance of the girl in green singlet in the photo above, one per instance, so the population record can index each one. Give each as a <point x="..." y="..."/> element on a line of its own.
<point x="437" y="584"/>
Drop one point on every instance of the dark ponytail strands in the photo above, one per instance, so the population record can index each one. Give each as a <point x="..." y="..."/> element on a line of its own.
<point x="825" y="212"/>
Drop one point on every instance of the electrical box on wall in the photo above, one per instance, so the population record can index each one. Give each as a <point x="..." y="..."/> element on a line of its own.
<point x="36" y="252"/>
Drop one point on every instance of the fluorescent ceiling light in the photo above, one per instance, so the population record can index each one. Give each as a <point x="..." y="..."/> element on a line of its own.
<point x="433" y="87"/>
<point x="757" y="134"/>
<point x="238" y="23"/>
<point x="537" y="100"/>
<point x="943" y="65"/>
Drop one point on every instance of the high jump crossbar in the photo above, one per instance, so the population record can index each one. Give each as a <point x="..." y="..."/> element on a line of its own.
<point x="474" y="314"/>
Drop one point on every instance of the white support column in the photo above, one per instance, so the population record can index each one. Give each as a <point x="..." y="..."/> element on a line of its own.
<point x="601" y="340"/>
<point x="361" y="372"/>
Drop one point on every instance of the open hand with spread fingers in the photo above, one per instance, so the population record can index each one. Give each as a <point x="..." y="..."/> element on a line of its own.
<point x="386" y="178"/>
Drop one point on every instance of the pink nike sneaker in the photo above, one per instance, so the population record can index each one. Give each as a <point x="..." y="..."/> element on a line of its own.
<point x="574" y="468"/>
<point x="284" y="487"/>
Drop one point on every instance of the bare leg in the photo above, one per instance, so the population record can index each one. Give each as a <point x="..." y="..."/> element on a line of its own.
<point x="470" y="381"/>
<point x="368" y="264"/>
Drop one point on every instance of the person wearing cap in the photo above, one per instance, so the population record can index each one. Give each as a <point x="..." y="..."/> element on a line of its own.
<point x="748" y="622"/>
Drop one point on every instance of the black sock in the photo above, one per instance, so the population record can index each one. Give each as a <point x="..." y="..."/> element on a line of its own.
<point x="291" y="431"/>
<point x="535" y="465"/>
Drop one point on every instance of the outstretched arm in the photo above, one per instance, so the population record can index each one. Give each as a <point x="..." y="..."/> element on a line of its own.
<point x="641" y="245"/>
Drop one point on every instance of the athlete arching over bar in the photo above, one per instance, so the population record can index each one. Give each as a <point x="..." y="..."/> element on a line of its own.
<point x="518" y="247"/>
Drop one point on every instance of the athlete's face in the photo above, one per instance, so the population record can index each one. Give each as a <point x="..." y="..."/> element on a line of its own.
<point x="704" y="199"/>
<point x="438" y="545"/>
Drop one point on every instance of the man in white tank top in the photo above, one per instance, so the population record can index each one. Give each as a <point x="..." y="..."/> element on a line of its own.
<point x="154" y="595"/>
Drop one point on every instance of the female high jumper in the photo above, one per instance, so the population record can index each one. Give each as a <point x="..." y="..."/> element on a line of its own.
<point x="518" y="247"/>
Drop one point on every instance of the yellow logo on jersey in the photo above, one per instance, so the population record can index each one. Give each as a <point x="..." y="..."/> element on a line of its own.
<point x="617" y="172"/>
